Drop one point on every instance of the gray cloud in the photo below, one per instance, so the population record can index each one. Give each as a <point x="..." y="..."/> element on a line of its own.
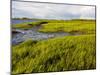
<point x="51" y="11"/>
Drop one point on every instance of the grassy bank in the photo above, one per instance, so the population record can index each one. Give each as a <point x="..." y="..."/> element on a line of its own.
<point x="27" y="25"/>
<point x="58" y="54"/>
<point x="71" y="26"/>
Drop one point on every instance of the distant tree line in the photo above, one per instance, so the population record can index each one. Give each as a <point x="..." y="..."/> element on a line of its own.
<point x="23" y="18"/>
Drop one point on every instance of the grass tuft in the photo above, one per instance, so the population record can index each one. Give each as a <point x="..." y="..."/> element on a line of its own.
<point x="57" y="54"/>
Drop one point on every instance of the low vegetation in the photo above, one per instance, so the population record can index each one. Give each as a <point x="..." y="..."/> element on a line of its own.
<point x="73" y="26"/>
<point x="58" y="54"/>
<point x="26" y="25"/>
<point x="68" y="53"/>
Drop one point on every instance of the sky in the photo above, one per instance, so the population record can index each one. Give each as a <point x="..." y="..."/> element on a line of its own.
<point x="51" y="11"/>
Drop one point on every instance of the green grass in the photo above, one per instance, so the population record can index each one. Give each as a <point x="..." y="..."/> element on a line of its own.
<point x="26" y="25"/>
<point x="71" y="26"/>
<point x="57" y="54"/>
<point x="66" y="53"/>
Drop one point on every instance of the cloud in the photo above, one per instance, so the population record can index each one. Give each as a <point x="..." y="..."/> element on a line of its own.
<point x="51" y="11"/>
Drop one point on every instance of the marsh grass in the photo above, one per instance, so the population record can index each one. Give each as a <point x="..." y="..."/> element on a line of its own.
<point x="71" y="26"/>
<point x="58" y="54"/>
<point x="26" y="25"/>
<point x="68" y="53"/>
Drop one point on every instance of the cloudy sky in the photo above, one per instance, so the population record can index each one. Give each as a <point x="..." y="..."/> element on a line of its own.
<point x="51" y="11"/>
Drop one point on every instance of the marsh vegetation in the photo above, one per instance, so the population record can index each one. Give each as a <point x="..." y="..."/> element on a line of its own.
<point x="76" y="51"/>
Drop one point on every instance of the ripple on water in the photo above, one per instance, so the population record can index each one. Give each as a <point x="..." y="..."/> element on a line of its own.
<point x="34" y="35"/>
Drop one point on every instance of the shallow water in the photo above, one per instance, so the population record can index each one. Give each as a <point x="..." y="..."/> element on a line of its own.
<point x="34" y="35"/>
<point x="22" y="21"/>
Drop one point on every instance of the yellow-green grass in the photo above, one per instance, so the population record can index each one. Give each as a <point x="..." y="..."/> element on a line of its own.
<point x="57" y="54"/>
<point x="26" y="25"/>
<point x="71" y="26"/>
